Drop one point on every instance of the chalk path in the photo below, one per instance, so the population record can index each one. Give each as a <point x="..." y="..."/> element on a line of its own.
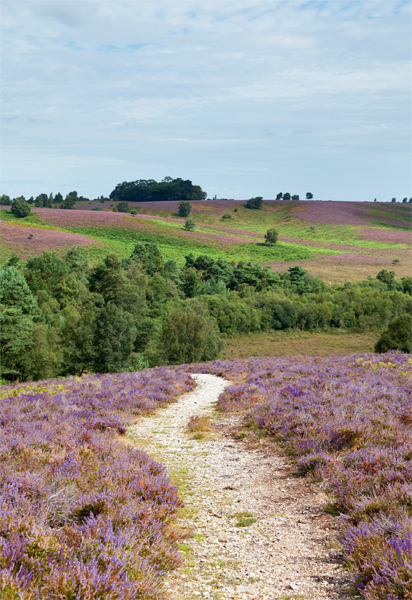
<point x="257" y="532"/>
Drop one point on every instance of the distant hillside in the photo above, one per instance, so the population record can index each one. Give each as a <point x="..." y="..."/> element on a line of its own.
<point x="338" y="241"/>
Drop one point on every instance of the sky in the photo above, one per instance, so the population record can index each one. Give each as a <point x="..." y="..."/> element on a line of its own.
<point x="243" y="98"/>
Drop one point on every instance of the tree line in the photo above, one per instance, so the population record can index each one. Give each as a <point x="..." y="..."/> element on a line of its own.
<point x="60" y="316"/>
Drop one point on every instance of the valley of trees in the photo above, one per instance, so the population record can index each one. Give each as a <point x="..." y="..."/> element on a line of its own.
<point x="60" y="316"/>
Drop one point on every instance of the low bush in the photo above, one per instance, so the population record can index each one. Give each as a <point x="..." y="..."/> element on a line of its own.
<point x="84" y="515"/>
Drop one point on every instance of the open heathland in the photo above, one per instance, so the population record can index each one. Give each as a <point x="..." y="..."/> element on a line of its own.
<point x="345" y="421"/>
<point x="83" y="515"/>
<point x="338" y="241"/>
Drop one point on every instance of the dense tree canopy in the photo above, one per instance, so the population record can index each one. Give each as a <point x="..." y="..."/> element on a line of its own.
<point x="59" y="316"/>
<point x="149" y="190"/>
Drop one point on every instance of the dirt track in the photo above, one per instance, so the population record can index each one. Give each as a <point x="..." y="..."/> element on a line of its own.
<point x="256" y="532"/>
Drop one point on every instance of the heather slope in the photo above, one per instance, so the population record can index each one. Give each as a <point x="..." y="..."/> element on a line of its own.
<point x="337" y="240"/>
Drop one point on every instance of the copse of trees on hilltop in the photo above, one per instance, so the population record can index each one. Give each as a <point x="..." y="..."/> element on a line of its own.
<point x="149" y="190"/>
<point x="287" y="196"/>
<point x="59" y="316"/>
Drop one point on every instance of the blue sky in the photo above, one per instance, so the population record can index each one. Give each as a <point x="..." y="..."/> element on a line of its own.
<point x="243" y="98"/>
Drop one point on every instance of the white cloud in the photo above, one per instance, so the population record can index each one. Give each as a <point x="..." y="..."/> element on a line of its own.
<point x="220" y="88"/>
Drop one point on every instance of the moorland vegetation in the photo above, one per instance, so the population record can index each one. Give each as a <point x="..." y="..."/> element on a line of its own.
<point x="84" y="516"/>
<point x="346" y="423"/>
<point x="87" y="516"/>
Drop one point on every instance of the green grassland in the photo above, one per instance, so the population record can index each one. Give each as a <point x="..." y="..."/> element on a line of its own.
<point x="174" y="246"/>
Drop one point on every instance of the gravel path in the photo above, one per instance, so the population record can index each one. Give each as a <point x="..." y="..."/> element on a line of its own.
<point x="256" y="532"/>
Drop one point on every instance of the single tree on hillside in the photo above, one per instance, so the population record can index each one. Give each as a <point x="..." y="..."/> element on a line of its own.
<point x="393" y="200"/>
<point x="255" y="203"/>
<point x="123" y="207"/>
<point x="184" y="209"/>
<point x="279" y="196"/>
<point x="190" y="224"/>
<point x="309" y="195"/>
<point x="295" y="197"/>
<point x="286" y="196"/>
<point x="5" y="200"/>
<point x="271" y="236"/>
<point x="20" y="208"/>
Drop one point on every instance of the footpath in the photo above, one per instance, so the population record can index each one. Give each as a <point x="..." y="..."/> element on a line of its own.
<point x="254" y="530"/>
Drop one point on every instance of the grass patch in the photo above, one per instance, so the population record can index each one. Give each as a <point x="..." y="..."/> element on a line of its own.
<point x="175" y="247"/>
<point x="383" y="225"/>
<point x="199" y="426"/>
<point x="298" y="343"/>
<point x="244" y="519"/>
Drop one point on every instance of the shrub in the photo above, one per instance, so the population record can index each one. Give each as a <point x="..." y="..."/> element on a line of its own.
<point x="20" y="208"/>
<point x="226" y="217"/>
<point x="398" y="336"/>
<point x="255" y="203"/>
<point x="123" y="207"/>
<point x="271" y="236"/>
<point x="189" y="335"/>
<point x="97" y="208"/>
<point x="189" y="225"/>
<point x="133" y="211"/>
<point x="198" y="426"/>
<point x="184" y="209"/>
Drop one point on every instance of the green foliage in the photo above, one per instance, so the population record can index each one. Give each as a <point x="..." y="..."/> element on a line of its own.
<point x="148" y="255"/>
<point x="189" y="224"/>
<point x="60" y="318"/>
<point x="115" y="334"/>
<point x="255" y="203"/>
<point x="70" y="200"/>
<point x="184" y="209"/>
<point x="387" y="277"/>
<point x="107" y="278"/>
<point x="123" y="207"/>
<point x="16" y="339"/>
<point x="20" y="208"/>
<point x="41" y="200"/>
<point x="190" y="336"/>
<point x="15" y="292"/>
<point x="398" y="335"/>
<point x="5" y="200"/>
<point x="271" y="236"/>
<point x="149" y="190"/>
<point x="46" y="272"/>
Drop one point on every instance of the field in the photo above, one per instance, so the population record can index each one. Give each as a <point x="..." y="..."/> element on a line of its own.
<point x="337" y="241"/>
<point x="299" y="343"/>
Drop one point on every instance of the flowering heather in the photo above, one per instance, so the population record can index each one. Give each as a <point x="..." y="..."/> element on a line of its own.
<point x="16" y="234"/>
<point x="83" y="515"/>
<point x="347" y="421"/>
